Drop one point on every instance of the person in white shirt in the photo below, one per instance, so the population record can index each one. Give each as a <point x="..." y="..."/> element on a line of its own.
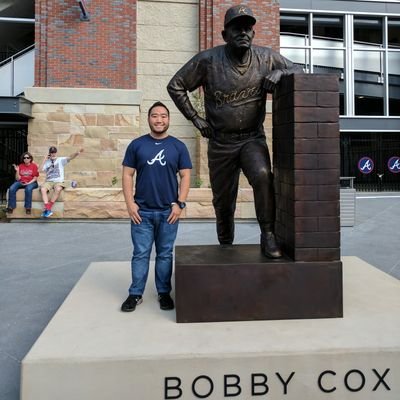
<point x="54" y="168"/>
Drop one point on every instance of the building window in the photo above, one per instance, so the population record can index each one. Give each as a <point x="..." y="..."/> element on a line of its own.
<point x="295" y="39"/>
<point x="316" y="42"/>
<point x="369" y="71"/>
<point x="394" y="33"/>
<point x="295" y="25"/>
<point x="367" y="31"/>
<point x="394" y="65"/>
<point x="394" y="83"/>
<point x="328" y="28"/>
<point x="364" y="51"/>
<point x="328" y="53"/>
<point x="369" y="90"/>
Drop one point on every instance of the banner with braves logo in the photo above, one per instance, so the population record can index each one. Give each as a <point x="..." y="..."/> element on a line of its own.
<point x="394" y="164"/>
<point x="366" y="165"/>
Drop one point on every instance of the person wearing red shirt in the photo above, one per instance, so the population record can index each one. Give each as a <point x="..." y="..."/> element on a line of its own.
<point x="26" y="174"/>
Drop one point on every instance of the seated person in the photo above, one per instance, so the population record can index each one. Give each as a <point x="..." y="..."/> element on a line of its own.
<point x="26" y="174"/>
<point x="54" y="168"/>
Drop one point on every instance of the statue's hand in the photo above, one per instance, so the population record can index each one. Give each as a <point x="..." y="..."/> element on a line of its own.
<point x="202" y="125"/>
<point x="272" y="79"/>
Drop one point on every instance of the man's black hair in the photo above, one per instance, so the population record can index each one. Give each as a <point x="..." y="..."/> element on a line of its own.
<point x="157" y="104"/>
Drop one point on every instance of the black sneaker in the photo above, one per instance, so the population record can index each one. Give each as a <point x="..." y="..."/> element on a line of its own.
<point x="131" y="302"/>
<point x="166" y="302"/>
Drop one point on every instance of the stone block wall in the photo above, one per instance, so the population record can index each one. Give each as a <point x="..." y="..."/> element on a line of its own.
<point x="307" y="166"/>
<point x="167" y="37"/>
<point x="101" y="121"/>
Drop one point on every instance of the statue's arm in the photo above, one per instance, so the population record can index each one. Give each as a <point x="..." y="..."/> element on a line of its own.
<point x="187" y="79"/>
<point x="279" y="66"/>
<point x="178" y="90"/>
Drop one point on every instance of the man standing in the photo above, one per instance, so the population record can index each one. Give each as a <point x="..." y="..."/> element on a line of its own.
<point x="235" y="78"/>
<point x="156" y="158"/>
<point x="54" y="168"/>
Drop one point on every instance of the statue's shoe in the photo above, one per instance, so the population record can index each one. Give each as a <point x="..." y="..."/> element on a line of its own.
<point x="269" y="247"/>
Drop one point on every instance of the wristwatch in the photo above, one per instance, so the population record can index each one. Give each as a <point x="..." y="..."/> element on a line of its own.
<point x="181" y="204"/>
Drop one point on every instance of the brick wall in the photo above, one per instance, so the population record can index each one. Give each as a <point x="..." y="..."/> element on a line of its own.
<point x="212" y="15"/>
<point x="307" y="166"/>
<point x="100" y="53"/>
<point x="102" y="121"/>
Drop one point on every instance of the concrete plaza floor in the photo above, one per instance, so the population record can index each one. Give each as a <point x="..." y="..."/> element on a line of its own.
<point x="40" y="262"/>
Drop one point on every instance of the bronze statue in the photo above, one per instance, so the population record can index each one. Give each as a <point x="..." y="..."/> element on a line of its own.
<point x="235" y="78"/>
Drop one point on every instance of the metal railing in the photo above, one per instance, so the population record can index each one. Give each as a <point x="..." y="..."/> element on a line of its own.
<point x="347" y="182"/>
<point x="17" y="72"/>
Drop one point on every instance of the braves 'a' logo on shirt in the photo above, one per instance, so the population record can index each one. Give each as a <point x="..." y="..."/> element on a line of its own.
<point x="159" y="157"/>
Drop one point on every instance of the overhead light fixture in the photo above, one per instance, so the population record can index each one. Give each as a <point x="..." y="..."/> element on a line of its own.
<point x="84" y="12"/>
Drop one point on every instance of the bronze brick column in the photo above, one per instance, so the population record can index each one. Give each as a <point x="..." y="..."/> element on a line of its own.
<point x="307" y="166"/>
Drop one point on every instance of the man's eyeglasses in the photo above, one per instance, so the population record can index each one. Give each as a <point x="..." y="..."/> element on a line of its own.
<point x="26" y="157"/>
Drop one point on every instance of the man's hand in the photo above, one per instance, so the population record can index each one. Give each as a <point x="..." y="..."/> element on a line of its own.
<point x="272" y="79"/>
<point x="175" y="214"/>
<point x="133" y="211"/>
<point x="202" y="125"/>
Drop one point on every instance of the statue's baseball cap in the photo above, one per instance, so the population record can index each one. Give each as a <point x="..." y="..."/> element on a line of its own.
<point x="53" y="149"/>
<point x="239" y="11"/>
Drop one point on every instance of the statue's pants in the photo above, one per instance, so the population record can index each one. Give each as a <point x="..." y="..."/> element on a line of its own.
<point x="227" y="155"/>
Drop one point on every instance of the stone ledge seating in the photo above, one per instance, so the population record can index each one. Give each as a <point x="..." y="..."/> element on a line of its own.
<point x="109" y="203"/>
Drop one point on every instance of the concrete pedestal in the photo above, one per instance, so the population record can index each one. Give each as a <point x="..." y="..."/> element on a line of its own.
<point x="91" y="350"/>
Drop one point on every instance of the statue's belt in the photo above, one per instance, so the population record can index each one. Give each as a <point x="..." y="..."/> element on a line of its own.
<point x="237" y="136"/>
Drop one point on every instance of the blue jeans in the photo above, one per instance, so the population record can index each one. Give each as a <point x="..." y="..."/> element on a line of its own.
<point x="154" y="228"/>
<point x="12" y="194"/>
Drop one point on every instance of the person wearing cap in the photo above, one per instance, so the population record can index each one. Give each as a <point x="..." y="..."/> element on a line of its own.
<point x="235" y="78"/>
<point x="54" y="168"/>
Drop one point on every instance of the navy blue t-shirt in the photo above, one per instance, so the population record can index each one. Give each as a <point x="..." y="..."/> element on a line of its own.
<point x="157" y="162"/>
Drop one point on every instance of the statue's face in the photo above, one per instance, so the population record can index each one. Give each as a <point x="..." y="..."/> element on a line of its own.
<point x="239" y="34"/>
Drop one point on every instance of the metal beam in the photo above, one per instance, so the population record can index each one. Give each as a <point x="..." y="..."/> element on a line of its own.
<point x="370" y="124"/>
<point x="18" y="20"/>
